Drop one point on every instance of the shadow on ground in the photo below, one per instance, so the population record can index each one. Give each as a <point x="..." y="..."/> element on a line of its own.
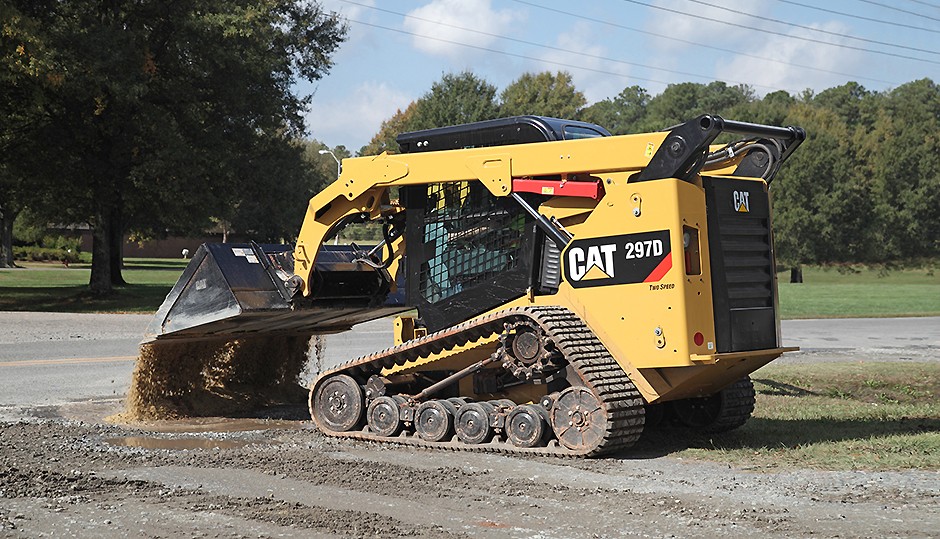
<point x="761" y="433"/>
<point x="132" y="298"/>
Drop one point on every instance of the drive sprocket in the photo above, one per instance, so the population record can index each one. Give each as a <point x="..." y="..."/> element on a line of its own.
<point x="527" y="352"/>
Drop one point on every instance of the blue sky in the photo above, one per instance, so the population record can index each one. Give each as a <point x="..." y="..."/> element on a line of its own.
<point x="396" y="50"/>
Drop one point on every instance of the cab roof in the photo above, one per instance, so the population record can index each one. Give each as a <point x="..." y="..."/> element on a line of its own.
<point x="498" y="132"/>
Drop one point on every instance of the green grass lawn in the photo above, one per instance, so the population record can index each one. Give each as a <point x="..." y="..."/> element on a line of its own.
<point x="830" y="416"/>
<point x="828" y="293"/>
<point x="51" y="287"/>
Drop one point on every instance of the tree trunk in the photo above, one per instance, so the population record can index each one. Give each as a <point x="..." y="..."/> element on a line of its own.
<point x="796" y="274"/>
<point x="116" y="256"/>
<point x="7" y="216"/>
<point x="100" y="282"/>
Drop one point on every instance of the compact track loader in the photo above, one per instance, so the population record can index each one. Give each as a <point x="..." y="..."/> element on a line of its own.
<point x="557" y="287"/>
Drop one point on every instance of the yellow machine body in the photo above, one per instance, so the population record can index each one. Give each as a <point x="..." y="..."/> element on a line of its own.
<point x="649" y="327"/>
<point x="557" y="287"/>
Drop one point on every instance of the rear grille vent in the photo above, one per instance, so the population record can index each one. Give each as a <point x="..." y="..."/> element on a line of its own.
<point x="745" y="245"/>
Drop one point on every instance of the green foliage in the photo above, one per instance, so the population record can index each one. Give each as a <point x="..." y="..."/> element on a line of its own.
<point x="38" y="244"/>
<point x="542" y="94"/>
<point x="681" y="102"/>
<point x="902" y="154"/>
<point x="322" y="166"/>
<point x="125" y="116"/>
<point x="455" y="99"/>
<point x="822" y="211"/>
<point x="33" y="253"/>
<point x="28" y="229"/>
<point x="622" y="114"/>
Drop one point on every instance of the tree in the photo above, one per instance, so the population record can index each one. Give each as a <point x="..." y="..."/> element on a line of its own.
<point x="25" y="62"/>
<point x="681" y="102"/>
<point x="848" y="101"/>
<point x="542" y="94"/>
<point x="147" y="131"/>
<point x="455" y="99"/>
<point x="622" y="114"/>
<point x="902" y="153"/>
<point x="822" y="211"/>
<point x="384" y="140"/>
<point x="771" y="110"/>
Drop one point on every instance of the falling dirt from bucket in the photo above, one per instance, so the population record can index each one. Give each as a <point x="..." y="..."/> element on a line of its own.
<point x="210" y="378"/>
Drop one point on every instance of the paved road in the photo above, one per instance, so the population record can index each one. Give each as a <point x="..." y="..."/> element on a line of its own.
<point x="51" y="358"/>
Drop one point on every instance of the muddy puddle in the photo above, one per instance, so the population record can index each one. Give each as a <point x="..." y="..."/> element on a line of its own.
<point x="219" y="424"/>
<point x="103" y="412"/>
<point x="149" y="442"/>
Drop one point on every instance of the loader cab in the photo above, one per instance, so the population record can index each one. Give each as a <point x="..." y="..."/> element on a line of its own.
<point x="469" y="251"/>
<point x="498" y="132"/>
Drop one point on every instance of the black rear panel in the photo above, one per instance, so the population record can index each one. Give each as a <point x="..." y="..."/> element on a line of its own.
<point x="742" y="264"/>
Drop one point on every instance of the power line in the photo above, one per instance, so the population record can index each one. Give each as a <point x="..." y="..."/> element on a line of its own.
<point x="923" y="3"/>
<point x="522" y="56"/>
<point x="886" y="6"/>
<point x="811" y="40"/>
<point x="837" y="34"/>
<point x="705" y="45"/>
<point x="550" y="47"/>
<point x="852" y="15"/>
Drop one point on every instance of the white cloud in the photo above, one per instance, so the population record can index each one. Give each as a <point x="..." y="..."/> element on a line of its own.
<point x="355" y="117"/>
<point x="439" y="18"/>
<point x="686" y="20"/>
<point x="586" y="54"/>
<point x="792" y="50"/>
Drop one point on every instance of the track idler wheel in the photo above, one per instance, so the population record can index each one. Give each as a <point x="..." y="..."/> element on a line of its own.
<point x="338" y="403"/>
<point x="527" y="426"/>
<point x="578" y="419"/>
<point x="434" y="421"/>
<point x="384" y="415"/>
<point x="473" y="423"/>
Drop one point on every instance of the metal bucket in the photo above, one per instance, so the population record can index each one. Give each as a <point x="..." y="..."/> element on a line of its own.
<point x="233" y="290"/>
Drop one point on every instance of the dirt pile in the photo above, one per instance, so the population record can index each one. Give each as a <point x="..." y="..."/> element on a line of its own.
<point x="215" y="377"/>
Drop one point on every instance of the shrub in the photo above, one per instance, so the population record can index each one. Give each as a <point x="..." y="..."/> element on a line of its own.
<point x="45" y="254"/>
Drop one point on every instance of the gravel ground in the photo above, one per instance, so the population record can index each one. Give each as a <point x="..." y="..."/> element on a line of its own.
<point x="65" y="472"/>
<point x="63" y="476"/>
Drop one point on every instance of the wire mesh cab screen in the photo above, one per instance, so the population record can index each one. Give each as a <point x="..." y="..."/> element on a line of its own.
<point x="469" y="250"/>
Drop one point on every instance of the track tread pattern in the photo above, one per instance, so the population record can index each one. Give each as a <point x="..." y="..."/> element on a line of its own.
<point x="737" y="407"/>
<point x="598" y="370"/>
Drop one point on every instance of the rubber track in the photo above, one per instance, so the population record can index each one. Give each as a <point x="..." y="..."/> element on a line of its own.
<point x="598" y="371"/>
<point x="736" y="408"/>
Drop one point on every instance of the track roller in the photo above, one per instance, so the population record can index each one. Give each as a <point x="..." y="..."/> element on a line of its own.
<point x="384" y="415"/>
<point x="473" y="423"/>
<point x="527" y="426"/>
<point x="434" y="420"/>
